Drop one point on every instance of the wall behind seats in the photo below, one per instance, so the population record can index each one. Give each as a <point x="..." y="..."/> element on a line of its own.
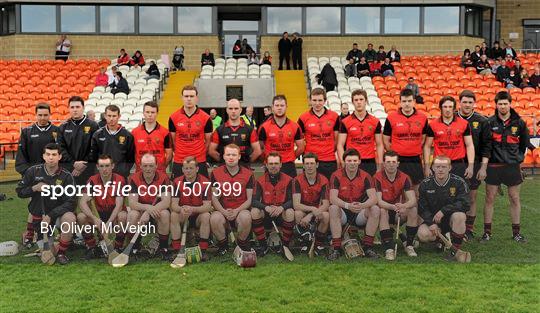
<point x="87" y="46"/>
<point x="511" y="13"/>
<point x="339" y="46"/>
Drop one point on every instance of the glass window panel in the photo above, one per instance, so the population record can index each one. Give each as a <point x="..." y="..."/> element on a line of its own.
<point x="441" y="20"/>
<point x="241" y="25"/>
<point x="323" y="20"/>
<point x="38" y="18"/>
<point x="195" y="20"/>
<point x="117" y="19"/>
<point x="402" y="20"/>
<point x="473" y="20"/>
<point x="281" y="20"/>
<point x="155" y="20"/>
<point x="78" y="19"/>
<point x="362" y="20"/>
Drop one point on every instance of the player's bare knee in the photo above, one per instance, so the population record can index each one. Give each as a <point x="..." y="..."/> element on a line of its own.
<point x="424" y="234"/>
<point x="216" y="218"/>
<point x="288" y="215"/>
<point x="458" y="217"/>
<point x="334" y="211"/>
<point x="325" y="217"/>
<point x="165" y="216"/>
<point x="82" y="218"/>
<point x="298" y="216"/>
<point x="204" y="218"/>
<point x="256" y="213"/>
<point x="374" y="212"/>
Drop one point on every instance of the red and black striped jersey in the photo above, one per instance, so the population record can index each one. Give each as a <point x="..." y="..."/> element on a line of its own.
<point x="311" y="195"/>
<point x="280" y="139"/>
<point x="351" y="189"/>
<point x="154" y="142"/>
<point x="105" y="202"/>
<point x="222" y="179"/>
<point x="192" y="193"/>
<point x="189" y="134"/>
<point x="271" y="194"/>
<point x="392" y="191"/>
<point x="448" y="139"/>
<point x="361" y="134"/>
<point x="406" y="132"/>
<point x="146" y="192"/>
<point x="319" y="133"/>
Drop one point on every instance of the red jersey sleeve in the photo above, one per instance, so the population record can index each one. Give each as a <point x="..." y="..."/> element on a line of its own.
<point x="253" y="137"/>
<point x="215" y="137"/>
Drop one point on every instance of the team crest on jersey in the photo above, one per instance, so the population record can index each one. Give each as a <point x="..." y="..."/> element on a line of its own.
<point x="86" y="129"/>
<point x="54" y="134"/>
<point x="58" y="182"/>
<point x="370" y="128"/>
<point x="475" y="125"/>
<point x="452" y="191"/>
<point x="121" y="140"/>
<point x="289" y="133"/>
<point x="328" y="123"/>
<point x="197" y="123"/>
<point x="417" y="123"/>
<point x="156" y="139"/>
<point x="514" y="130"/>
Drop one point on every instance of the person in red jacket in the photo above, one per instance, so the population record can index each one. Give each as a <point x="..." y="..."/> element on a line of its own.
<point x="123" y="58"/>
<point x="137" y="59"/>
<point x="102" y="79"/>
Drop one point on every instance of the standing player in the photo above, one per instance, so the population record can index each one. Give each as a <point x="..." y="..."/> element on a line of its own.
<point x="151" y="137"/>
<point x="451" y="136"/>
<point x="442" y="205"/>
<point x="353" y="200"/>
<point x="310" y="199"/>
<point x="114" y="140"/>
<point x="191" y="129"/>
<point x="232" y="191"/>
<point x="395" y="196"/>
<point x="148" y="206"/>
<point x="75" y="138"/>
<point x="404" y="132"/>
<point x="481" y="140"/>
<point x="235" y="131"/>
<point x="280" y="134"/>
<point x="362" y="131"/>
<point x="320" y="127"/>
<point x="109" y="204"/>
<point x="191" y="203"/>
<point x="31" y="143"/>
<point x="34" y="183"/>
<point x="273" y="202"/>
<point x="509" y="140"/>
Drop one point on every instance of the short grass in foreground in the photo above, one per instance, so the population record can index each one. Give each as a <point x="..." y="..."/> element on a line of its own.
<point x="504" y="277"/>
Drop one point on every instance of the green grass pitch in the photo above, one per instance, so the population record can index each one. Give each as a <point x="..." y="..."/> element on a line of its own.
<point x="503" y="277"/>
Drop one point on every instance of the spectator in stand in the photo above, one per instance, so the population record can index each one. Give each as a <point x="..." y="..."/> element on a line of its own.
<point x="466" y="59"/>
<point x="237" y="49"/>
<point x="362" y="68"/>
<point x="123" y="58"/>
<point x="503" y="72"/>
<point x="253" y="58"/>
<point x="344" y="111"/>
<point x="267" y="59"/>
<point x="328" y="77"/>
<point x="63" y="47"/>
<point x="482" y="66"/>
<point x="534" y="80"/>
<point x="508" y="50"/>
<point x="267" y="111"/>
<point x="207" y="58"/>
<point x="102" y="79"/>
<point x="517" y="66"/>
<point x="119" y="84"/>
<point x="513" y="80"/>
<point x="509" y="61"/>
<point x="137" y="59"/>
<point x="284" y="47"/>
<point x="246" y="48"/>
<point x="91" y="115"/>
<point x="110" y="74"/>
<point x="296" y="46"/>
<point x="524" y="78"/>
<point x="394" y="55"/>
<point x="484" y="50"/>
<point x="387" y="69"/>
<point x="216" y="119"/>
<point x="153" y="71"/>
<point x="375" y="68"/>
<point x="381" y="54"/>
<point x="370" y="53"/>
<point x="496" y="52"/>
<point x="475" y="56"/>
<point x="350" y="69"/>
<point x="495" y="66"/>
<point x="178" y="58"/>
<point x="355" y="54"/>
<point x="413" y="86"/>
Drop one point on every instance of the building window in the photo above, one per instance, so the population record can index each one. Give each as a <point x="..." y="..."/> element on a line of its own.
<point x="362" y="20"/>
<point x="155" y="20"/>
<point x="241" y="25"/>
<point x="281" y="20"/>
<point x="38" y="18"/>
<point x="441" y="20"/>
<point x="195" y="20"/>
<point x="78" y="19"/>
<point x="323" y="20"/>
<point x="402" y="20"/>
<point x="117" y="19"/>
<point x="473" y="21"/>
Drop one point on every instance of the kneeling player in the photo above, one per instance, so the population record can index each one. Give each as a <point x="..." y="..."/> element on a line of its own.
<point x="50" y="210"/>
<point x="310" y="199"/>
<point x="443" y="201"/>
<point x="353" y="200"/>
<point x="191" y="202"/>
<point x="109" y="204"/>
<point x="232" y="190"/>
<point x="150" y="205"/>
<point x="393" y="187"/>
<point x="272" y="203"/>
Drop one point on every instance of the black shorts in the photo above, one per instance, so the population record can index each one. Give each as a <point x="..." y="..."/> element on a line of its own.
<point x="412" y="166"/>
<point x="289" y="168"/>
<point x="268" y="220"/>
<point x="104" y="215"/>
<point x="506" y="174"/>
<point x="473" y="182"/>
<point x="327" y="168"/>
<point x="459" y="167"/>
<point x="177" y="170"/>
<point x="369" y="165"/>
<point x="444" y="225"/>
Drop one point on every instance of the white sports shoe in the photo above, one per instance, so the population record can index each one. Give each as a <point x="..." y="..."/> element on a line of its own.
<point x="410" y="251"/>
<point x="389" y="255"/>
